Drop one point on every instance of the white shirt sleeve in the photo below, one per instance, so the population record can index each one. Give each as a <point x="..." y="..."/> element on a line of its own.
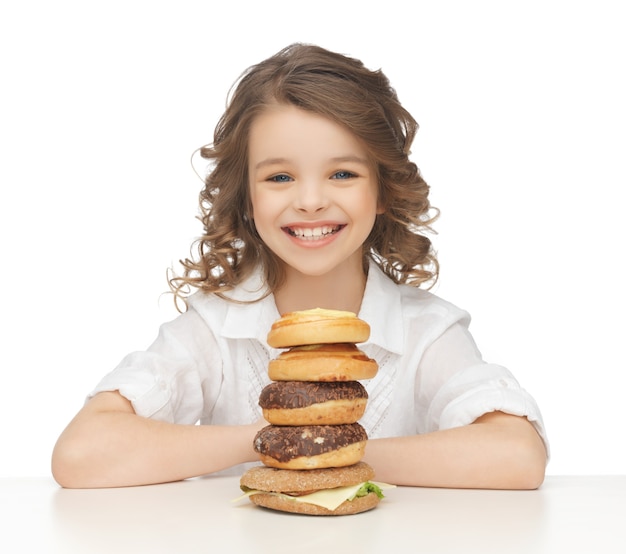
<point x="176" y="379"/>
<point x="457" y="386"/>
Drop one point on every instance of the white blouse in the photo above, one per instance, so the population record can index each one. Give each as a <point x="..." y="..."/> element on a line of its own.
<point x="209" y="365"/>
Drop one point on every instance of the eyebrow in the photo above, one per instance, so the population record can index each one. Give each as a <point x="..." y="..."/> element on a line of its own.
<point x="270" y="161"/>
<point x="338" y="159"/>
<point x="351" y="158"/>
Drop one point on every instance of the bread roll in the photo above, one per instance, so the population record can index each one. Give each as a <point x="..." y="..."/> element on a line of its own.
<point x="317" y="326"/>
<point x="322" y="362"/>
<point x="305" y="480"/>
<point x="302" y="482"/>
<point x="349" y="507"/>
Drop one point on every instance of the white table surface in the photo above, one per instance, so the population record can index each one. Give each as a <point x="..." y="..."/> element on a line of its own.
<point x="566" y="515"/>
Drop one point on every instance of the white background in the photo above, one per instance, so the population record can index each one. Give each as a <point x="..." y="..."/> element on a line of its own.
<point x="522" y="114"/>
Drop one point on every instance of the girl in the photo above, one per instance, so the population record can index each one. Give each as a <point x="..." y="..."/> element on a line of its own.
<point x="312" y="201"/>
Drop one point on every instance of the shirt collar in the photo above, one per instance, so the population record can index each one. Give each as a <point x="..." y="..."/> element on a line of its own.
<point x="249" y="317"/>
<point x="381" y="308"/>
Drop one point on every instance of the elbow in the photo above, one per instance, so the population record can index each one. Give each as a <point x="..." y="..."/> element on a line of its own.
<point x="535" y="473"/>
<point x="68" y="465"/>
<point x="61" y="468"/>
<point x="531" y="477"/>
<point x="522" y="455"/>
<point x="528" y="464"/>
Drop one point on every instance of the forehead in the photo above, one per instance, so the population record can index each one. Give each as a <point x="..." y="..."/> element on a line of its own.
<point x="284" y="131"/>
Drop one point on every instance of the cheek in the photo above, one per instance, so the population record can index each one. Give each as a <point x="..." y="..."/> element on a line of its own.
<point x="261" y="208"/>
<point x="369" y="203"/>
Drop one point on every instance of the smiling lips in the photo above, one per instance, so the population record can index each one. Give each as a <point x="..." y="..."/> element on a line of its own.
<point x="313" y="233"/>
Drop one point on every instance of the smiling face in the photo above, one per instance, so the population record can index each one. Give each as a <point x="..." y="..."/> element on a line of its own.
<point x="313" y="190"/>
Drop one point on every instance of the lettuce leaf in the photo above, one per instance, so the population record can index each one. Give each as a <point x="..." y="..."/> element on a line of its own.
<point x="366" y="488"/>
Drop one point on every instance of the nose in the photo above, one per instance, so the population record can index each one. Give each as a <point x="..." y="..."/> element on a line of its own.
<point x="311" y="196"/>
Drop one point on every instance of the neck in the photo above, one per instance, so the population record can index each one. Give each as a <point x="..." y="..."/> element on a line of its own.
<point x="341" y="289"/>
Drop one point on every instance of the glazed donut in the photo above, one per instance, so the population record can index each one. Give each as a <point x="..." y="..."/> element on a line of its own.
<point x="317" y="326"/>
<point x="313" y="403"/>
<point x="322" y="362"/>
<point x="310" y="446"/>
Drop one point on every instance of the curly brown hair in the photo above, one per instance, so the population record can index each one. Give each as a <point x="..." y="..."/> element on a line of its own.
<point x="342" y="89"/>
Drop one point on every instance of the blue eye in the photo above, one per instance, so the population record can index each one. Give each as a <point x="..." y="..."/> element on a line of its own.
<point x="280" y="178"/>
<point x="343" y="175"/>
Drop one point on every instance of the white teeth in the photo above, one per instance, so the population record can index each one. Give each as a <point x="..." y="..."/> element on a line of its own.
<point x="314" y="233"/>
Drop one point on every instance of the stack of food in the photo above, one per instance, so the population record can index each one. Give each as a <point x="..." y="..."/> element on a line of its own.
<point x="313" y="447"/>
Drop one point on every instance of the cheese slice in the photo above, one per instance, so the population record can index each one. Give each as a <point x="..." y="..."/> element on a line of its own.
<point x="330" y="499"/>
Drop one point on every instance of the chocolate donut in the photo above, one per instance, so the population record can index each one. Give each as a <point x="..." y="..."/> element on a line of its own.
<point x="313" y="403"/>
<point x="310" y="446"/>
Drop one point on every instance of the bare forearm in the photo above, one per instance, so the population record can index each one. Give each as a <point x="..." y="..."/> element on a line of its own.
<point x="496" y="452"/>
<point x="112" y="449"/>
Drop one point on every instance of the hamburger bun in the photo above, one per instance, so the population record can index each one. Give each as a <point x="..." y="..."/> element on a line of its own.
<point x="310" y="446"/>
<point x="348" y="507"/>
<point x="303" y="481"/>
<point x="313" y="403"/>
<point x="298" y="483"/>
<point x="322" y="362"/>
<point x="317" y="326"/>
